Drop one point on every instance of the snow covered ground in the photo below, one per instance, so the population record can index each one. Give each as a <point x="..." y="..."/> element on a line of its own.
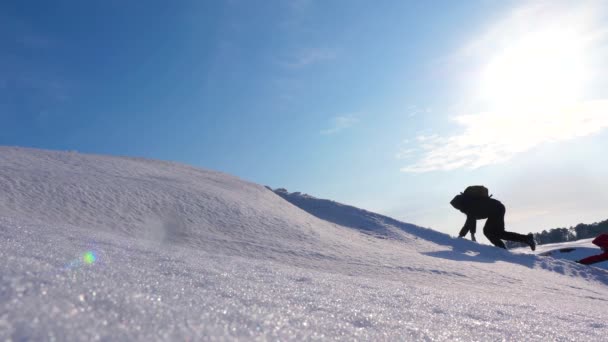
<point x="573" y="251"/>
<point x="108" y="248"/>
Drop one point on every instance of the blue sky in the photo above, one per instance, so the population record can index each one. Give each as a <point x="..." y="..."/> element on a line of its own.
<point x="393" y="106"/>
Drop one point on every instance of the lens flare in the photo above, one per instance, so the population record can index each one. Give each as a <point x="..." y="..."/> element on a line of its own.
<point x="89" y="258"/>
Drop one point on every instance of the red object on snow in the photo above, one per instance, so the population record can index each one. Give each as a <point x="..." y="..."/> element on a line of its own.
<point x="602" y="242"/>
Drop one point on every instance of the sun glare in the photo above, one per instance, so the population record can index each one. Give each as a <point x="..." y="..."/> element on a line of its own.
<point x="541" y="69"/>
<point x="534" y="84"/>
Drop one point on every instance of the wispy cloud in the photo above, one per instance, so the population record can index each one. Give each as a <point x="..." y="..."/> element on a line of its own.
<point x="33" y="41"/>
<point x="495" y="137"/>
<point x="28" y="85"/>
<point x="299" y="5"/>
<point x="39" y="86"/>
<point x="405" y="153"/>
<point x="414" y="110"/>
<point x="309" y="56"/>
<point x="340" y="123"/>
<point x="23" y="34"/>
<point x="533" y="87"/>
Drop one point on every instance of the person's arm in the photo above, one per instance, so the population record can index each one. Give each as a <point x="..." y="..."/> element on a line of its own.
<point x="473" y="227"/>
<point x="469" y="225"/>
<point x="594" y="259"/>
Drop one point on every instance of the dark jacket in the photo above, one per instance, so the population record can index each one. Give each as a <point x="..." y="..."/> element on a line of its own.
<point x="477" y="208"/>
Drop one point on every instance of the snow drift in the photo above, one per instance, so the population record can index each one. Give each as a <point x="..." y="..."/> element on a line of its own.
<point x="98" y="247"/>
<point x="158" y="201"/>
<point x="572" y="250"/>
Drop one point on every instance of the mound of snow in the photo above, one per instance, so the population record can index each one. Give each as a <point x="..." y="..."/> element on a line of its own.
<point x="573" y="251"/>
<point x="359" y="219"/>
<point x="159" y="201"/>
<point x="97" y="247"/>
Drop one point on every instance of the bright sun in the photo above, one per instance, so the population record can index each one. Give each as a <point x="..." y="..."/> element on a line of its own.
<point x="541" y="69"/>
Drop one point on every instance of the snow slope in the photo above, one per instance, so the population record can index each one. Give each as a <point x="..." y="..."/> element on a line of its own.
<point x="97" y="247"/>
<point x="573" y="251"/>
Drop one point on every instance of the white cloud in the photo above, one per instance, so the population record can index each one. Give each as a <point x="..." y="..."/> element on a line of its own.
<point x="413" y="110"/>
<point x="494" y="137"/>
<point x="405" y="153"/>
<point x="306" y="57"/>
<point x="339" y="124"/>
<point x="533" y="86"/>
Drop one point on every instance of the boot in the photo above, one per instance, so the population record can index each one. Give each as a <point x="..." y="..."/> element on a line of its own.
<point x="530" y="241"/>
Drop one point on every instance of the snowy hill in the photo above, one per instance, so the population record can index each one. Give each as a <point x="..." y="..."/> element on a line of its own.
<point x="98" y="247"/>
<point x="359" y="219"/>
<point x="573" y="251"/>
<point x="382" y="226"/>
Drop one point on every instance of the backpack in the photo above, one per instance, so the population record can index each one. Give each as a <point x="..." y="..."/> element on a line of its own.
<point x="477" y="191"/>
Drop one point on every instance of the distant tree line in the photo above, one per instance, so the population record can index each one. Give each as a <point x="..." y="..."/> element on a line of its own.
<point x="555" y="235"/>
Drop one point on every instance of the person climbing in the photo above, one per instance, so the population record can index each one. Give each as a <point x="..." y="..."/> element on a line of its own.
<point x="602" y="242"/>
<point x="476" y="204"/>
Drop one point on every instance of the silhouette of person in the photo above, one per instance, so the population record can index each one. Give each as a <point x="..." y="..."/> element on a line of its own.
<point x="476" y="208"/>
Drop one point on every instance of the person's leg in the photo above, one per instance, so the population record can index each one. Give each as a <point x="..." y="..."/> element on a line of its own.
<point x="492" y="231"/>
<point x="525" y="239"/>
<point x="495" y="240"/>
<point x="510" y="236"/>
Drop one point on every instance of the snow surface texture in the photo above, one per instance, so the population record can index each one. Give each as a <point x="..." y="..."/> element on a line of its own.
<point x="382" y="226"/>
<point x="573" y="251"/>
<point x="107" y="248"/>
